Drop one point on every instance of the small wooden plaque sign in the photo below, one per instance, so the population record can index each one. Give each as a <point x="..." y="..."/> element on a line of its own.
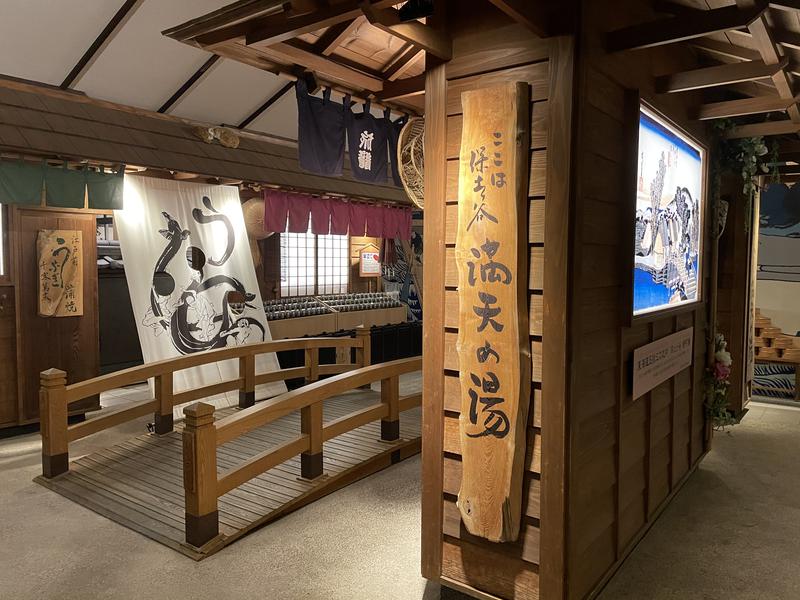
<point x="60" y="257"/>
<point x="656" y="362"/>
<point x="493" y="349"/>
<point x="369" y="262"/>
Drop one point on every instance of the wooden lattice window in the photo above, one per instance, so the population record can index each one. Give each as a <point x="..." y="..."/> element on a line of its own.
<point x="314" y="264"/>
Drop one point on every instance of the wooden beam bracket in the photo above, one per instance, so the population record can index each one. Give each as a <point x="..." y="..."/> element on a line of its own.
<point x="423" y="36"/>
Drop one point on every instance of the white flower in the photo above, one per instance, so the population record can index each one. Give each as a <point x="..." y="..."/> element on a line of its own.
<point x="723" y="357"/>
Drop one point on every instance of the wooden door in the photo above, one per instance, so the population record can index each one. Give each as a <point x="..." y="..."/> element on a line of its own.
<point x="67" y="343"/>
<point x="9" y="398"/>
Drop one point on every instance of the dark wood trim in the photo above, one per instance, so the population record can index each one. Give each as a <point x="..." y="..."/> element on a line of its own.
<point x="557" y="301"/>
<point x="189" y="83"/>
<point x="433" y="335"/>
<point x="677" y="29"/>
<point x="269" y="102"/>
<point x="402" y="88"/>
<point x="532" y="15"/>
<point x="125" y="11"/>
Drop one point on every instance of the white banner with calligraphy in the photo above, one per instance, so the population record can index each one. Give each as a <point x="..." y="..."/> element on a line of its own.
<point x="493" y="346"/>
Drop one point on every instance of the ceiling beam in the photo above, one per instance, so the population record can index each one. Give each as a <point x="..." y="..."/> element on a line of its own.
<point x="263" y="108"/>
<point x="425" y="37"/>
<point x="725" y="49"/>
<point x="404" y="59"/>
<point x="530" y="14"/>
<point x="281" y="27"/>
<point x="716" y="76"/>
<point x="335" y="35"/>
<point x="789" y="5"/>
<point x="291" y="55"/>
<point x="765" y="44"/>
<point x="230" y="13"/>
<point x="767" y="128"/>
<point x="189" y="83"/>
<point x="739" y="108"/>
<point x="101" y="41"/>
<point x="677" y="29"/>
<point x="402" y="88"/>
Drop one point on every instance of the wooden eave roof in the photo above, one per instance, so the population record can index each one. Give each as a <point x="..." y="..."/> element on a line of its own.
<point x="65" y="125"/>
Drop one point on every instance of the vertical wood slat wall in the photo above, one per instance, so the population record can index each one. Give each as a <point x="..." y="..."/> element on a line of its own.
<point x="488" y="49"/>
<point x="626" y="457"/>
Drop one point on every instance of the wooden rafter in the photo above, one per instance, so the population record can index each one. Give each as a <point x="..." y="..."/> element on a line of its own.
<point x="281" y="27"/>
<point x="403" y="88"/>
<point x="101" y="41"/>
<point x="725" y="49"/>
<point x="676" y="29"/>
<point x="717" y="76"/>
<point x="746" y="106"/>
<point x="231" y="13"/>
<point x="403" y="61"/>
<point x="532" y="15"/>
<point x="767" y="128"/>
<point x="423" y="36"/>
<point x="762" y="36"/>
<point x="335" y="35"/>
<point x="265" y="106"/>
<point x="189" y="83"/>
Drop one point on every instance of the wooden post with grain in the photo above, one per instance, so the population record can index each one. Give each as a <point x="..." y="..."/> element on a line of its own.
<point x="390" y="396"/>
<point x="493" y="350"/>
<point x="247" y="371"/>
<point x="200" y="474"/>
<point x="311" y="423"/>
<point x="53" y="416"/>
<point x="364" y="349"/>
<point x="163" y="417"/>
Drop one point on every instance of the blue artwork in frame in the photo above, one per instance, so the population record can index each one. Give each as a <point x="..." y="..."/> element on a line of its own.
<point x="669" y="210"/>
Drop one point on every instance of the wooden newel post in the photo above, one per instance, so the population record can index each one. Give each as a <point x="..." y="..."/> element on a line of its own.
<point x="247" y="371"/>
<point x="200" y="474"/>
<point x="364" y="349"/>
<point x="390" y="396"/>
<point x="311" y="423"/>
<point x="53" y="417"/>
<point x="163" y="416"/>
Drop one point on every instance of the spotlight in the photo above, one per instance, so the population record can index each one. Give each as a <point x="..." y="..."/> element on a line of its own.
<point x="416" y="9"/>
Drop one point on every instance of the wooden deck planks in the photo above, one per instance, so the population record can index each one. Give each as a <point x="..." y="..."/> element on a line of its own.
<point x="139" y="482"/>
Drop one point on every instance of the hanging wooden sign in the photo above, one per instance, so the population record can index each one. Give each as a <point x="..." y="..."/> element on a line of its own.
<point x="60" y="256"/>
<point x="369" y="261"/>
<point x="493" y="348"/>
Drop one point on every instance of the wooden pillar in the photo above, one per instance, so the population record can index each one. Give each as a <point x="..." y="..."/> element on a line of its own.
<point x="311" y="423"/>
<point x="163" y="416"/>
<point x="364" y="349"/>
<point x="247" y="371"/>
<point x="390" y="396"/>
<point x="53" y="416"/>
<point x="200" y="474"/>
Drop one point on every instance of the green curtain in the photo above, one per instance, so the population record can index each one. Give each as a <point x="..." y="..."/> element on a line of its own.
<point x="65" y="188"/>
<point x="105" y="189"/>
<point x="21" y="183"/>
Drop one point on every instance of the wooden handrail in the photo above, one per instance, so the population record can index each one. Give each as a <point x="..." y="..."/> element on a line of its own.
<point x="200" y="442"/>
<point x="267" y="411"/>
<point x="56" y="396"/>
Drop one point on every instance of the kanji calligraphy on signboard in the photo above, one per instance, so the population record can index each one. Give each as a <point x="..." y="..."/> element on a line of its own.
<point x="493" y="348"/>
<point x="60" y="256"/>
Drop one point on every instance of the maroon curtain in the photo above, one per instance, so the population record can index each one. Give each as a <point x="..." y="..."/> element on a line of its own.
<point x="375" y="220"/>
<point x="299" y="210"/>
<point x="340" y="216"/>
<point x="275" y="210"/>
<point x="358" y="218"/>
<point x="320" y="216"/>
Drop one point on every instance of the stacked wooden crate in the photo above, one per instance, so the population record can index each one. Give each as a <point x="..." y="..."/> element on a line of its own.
<point x="771" y="344"/>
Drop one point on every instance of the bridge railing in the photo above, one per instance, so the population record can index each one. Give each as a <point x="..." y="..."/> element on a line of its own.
<point x="55" y="395"/>
<point x="203" y="485"/>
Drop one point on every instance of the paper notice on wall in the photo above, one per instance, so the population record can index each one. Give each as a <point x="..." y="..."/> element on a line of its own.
<point x="191" y="278"/>
<point x="60" y="256"/>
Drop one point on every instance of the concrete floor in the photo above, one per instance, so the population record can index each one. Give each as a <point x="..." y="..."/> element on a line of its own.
<point x="731" y="533"/>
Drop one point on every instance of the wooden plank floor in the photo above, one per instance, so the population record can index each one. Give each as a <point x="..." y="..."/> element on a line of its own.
<point x="139" y="483"/>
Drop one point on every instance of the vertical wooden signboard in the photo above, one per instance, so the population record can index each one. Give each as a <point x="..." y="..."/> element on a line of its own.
<point x="493" y="350"/>
<point x="60" y="256"/>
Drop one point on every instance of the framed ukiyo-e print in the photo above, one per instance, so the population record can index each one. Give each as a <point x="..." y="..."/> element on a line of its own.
<point x="668" y="220"/>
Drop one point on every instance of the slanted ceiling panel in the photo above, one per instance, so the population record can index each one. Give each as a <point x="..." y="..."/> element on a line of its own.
<point x="140" y="67"/>
<point x="42" y="40"/>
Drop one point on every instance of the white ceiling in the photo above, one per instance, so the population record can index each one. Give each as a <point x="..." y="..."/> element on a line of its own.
<point x="42" y="40"/>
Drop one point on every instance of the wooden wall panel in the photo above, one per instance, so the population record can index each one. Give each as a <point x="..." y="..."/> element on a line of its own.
<point x="626" y="456"/>
<point x="9" y="400"/>
<point x="482" y="58"/>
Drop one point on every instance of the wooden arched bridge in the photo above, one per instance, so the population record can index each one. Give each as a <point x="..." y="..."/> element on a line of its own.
<point x="199" y="485"/>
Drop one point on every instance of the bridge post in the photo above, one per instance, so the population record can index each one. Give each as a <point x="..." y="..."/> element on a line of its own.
<point x="364" y="349"/>
<point x="311" y="423"/>
<point x="163" y="416"/>
<point x="390" y="396"/>
<point x="53" y="416"/>
<point x="247" y="371"/>
<point x="200" y="474"/>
